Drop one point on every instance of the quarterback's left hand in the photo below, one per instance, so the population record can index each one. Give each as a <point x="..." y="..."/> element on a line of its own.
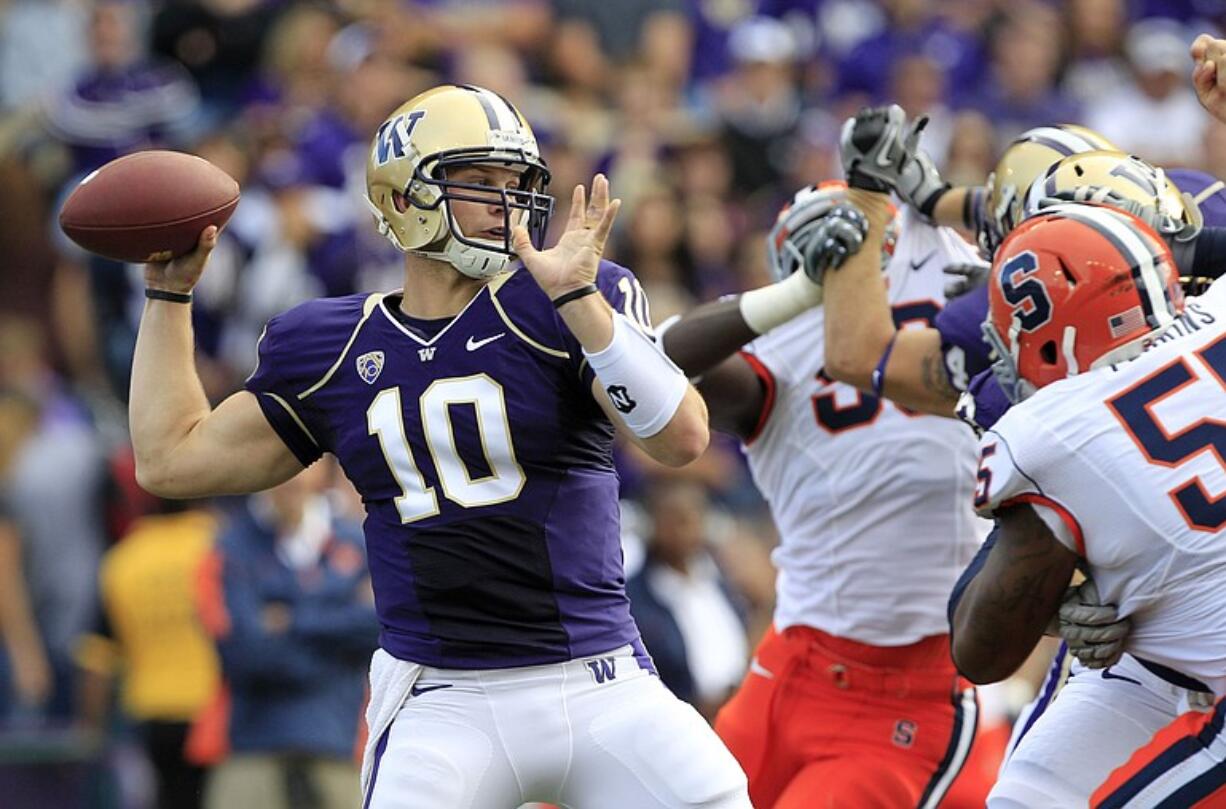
<point x="572" y="262"/>
<point x="1094" y="631"/>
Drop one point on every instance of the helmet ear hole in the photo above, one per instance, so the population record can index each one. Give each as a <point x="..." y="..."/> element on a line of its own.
<point x="1047" y="352"/>
<point x="400" y="201"/>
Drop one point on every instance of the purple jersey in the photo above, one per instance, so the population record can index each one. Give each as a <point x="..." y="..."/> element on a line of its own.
<point x="484" y="463"/>
<point x="960" y="324"/>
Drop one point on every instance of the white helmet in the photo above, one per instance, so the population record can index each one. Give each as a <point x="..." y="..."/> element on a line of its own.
<point x="440" y="130"/>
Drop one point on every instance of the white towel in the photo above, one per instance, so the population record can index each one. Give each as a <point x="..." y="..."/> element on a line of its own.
<point x="390" y="683"/>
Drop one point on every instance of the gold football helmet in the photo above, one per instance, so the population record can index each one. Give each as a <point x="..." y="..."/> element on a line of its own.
<point x="1126" y="176"/>
<point x="1026" y="159"/>
<point x="428" y="137"/>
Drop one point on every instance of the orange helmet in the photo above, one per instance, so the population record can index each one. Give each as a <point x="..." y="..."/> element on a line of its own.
<point x="1078" y="287"/>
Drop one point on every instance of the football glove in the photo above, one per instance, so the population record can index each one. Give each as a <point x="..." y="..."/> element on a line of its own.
<point x="965" y="277"/>
<point x="834" y="238"/>
<point x="880" y="152"/>
<point x="1094" y="631"/>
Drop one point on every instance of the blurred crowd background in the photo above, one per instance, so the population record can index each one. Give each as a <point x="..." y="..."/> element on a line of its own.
<point x="145" y="642"/>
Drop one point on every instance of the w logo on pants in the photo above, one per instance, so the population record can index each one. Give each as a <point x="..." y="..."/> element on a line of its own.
<point x="603" y="669"/>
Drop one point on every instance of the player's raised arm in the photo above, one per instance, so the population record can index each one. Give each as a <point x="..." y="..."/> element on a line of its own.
<point x="183" y="447"/>
<point x="635" y="383"/>
<point x="705" y="341"/>
<point x="864" y="347"/>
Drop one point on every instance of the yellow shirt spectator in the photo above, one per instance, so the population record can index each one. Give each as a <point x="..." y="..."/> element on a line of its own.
<point x="147" y="584"/>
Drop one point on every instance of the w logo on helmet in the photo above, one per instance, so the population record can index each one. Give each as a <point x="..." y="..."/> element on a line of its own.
<point x="370" y="365"/>
<point x="392" y="140"/>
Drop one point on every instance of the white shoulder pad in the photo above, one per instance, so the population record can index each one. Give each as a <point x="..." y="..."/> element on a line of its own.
<point x="1004" y="480"/>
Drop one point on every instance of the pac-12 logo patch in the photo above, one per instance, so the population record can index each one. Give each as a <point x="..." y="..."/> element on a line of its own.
<point x="370" y="365"/>
<point x="620" y="397"/>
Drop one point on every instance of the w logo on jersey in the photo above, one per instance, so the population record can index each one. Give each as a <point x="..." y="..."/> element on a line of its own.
<point x="370" y="365"/>
<point x="603" y="669"/>
<point x="392" y="141"/>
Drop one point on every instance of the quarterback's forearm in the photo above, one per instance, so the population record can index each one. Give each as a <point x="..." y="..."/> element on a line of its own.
<point x="706" y="336"/>
<point x="858" y="321"/>
<point x="166" y="399"/>
<point x="646" y="385"/>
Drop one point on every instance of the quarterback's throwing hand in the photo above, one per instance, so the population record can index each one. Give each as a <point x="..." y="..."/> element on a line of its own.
<point x="182" y="273"/>
<point x="572" y="262"/>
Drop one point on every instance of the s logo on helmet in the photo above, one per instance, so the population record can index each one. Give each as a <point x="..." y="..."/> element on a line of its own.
<point x="393" y="136"/>
<point x="1031" y="303"/>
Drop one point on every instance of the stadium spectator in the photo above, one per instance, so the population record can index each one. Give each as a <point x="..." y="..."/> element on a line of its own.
<point x="1023" y="91"/>
<point x="288" y="598"/>
<point x="150" y="637"/>
<point x="687" y="614"/>
<point x="1158" y="90"/>
<point x="51" y="485"/>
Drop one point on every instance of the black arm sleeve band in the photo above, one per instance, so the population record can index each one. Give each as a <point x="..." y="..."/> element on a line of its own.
<point x="969" y="574"/>
<point x="1209" y="260"/>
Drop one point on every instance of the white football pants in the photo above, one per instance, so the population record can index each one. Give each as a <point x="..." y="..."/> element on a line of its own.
<point x="594" y="733"/>
<point x="1094" y="724"/>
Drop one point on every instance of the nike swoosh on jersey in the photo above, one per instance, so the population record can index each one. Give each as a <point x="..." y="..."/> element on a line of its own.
<point x="418" y="690"/>
<point x="473" y="345"/>
<point x="757" y="668"/>
<point x="915" y="265"/>
<point x="1107" y="675"/>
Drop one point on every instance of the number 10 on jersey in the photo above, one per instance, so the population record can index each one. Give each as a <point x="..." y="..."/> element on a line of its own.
<point x="385" y="419"/>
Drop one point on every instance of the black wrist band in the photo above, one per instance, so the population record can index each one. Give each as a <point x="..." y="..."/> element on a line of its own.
<point x="574" y="295"/>
<point x="167" y="295"/>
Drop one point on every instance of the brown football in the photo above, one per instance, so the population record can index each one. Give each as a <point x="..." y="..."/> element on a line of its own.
<point x="148" y="206"/>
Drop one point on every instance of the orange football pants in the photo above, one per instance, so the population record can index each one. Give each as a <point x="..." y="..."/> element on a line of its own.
<point x="821" y="721"/>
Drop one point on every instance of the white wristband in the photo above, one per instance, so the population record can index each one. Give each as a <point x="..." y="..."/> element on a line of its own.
<point x="767" y="307"/>
<point x="643" y="384"/>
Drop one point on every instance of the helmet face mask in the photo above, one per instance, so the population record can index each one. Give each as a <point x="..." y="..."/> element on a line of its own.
<point x="1076" y="288"/>
<point x="423" y="144"/>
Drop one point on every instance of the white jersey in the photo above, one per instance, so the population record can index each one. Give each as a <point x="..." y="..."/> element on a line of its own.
<point x="1127" y="465"/>
<point x="868" y="499"/>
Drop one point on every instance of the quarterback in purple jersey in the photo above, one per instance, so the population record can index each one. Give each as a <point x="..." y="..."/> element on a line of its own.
<point x="474" y="411"/>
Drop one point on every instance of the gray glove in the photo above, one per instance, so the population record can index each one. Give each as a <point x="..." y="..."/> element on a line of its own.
<point x="1094" y="631"/>
<point x="966" y="277"/>
<point x="831" y="240"/>
<point x="880" y="152"/>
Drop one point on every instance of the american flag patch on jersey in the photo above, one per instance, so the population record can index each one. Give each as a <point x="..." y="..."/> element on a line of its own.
<point x="1127" y="322"/>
